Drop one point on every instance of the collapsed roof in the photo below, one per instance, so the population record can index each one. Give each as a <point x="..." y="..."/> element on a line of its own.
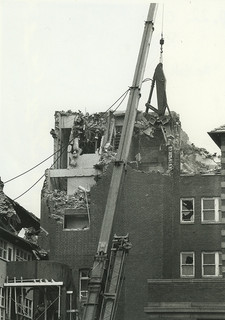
<point x="13" y="217"/>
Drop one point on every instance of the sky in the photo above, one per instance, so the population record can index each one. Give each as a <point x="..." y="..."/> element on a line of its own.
<point x="81" y="54"/>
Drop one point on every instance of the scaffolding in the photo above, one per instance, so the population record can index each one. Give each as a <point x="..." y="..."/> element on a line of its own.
<point x="16" y="298"/>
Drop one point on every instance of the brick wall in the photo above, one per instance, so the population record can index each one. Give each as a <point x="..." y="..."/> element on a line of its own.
<point x="149" y="210"/>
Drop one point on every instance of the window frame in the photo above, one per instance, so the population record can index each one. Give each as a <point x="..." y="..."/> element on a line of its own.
<point x="181" y="210"/>
<point x="2" y="303"/>
<point x="217" y="210"/>
<point x="85" y="278"/>
<point x="181" y="264"/>
<point x="3" y="250"/>
<point x="22" y="255"/>
<point x="25" y="307"/>
<point x="69" y="308"/>
<point x="218" y="264"/>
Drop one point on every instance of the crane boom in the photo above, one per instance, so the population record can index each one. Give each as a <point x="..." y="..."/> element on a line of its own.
<point x="99" y="266"/>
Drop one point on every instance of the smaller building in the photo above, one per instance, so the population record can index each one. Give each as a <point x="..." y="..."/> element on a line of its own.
<point x="31" y="287"/>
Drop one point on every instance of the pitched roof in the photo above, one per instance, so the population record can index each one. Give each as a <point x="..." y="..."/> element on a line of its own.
<point x="216" y="134"/>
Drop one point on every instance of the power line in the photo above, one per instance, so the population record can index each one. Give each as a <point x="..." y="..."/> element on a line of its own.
<point x="21" y="174"/>
<point x="63" y="150"/>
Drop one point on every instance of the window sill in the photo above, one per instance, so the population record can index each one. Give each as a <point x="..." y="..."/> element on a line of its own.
<point x="187" y="222"/>
<point x="83" y="229"/>
<point x="212" y="277"/>
<point x="212" y="222"/>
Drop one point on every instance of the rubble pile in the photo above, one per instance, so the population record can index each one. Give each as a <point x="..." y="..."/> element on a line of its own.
<point x="107" y="156"/>
<point x="88" y="127"/>
<point x="144" y="126"/>
<point x="9" y="218"/>
<point x="59" y="201"/>
<point x="31" y="235"/>
<point x="194" y="160"/>
<point x="146" y="123"/>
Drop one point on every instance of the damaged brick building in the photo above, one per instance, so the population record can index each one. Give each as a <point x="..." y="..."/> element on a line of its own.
<point x="171" y="204"/>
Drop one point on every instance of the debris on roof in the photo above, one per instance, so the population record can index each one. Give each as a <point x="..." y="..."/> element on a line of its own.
<point x="107" y="156"/>
<point x="89" y="130"/>
<point x="219" y="129"/>
<point x="195" y="160"/>
<point x="97" y="132"/>
<point x="147" y="123"/>
<point x="31" y="234"/>
<point x="59" y="201"/>
<point x="14" y="217"/>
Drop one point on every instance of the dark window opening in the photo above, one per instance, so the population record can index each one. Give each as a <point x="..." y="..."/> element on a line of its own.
<point x="187" y="210"/>
<point x="65" y="134"/>
<point x="117" y="136"/>
<point x="75" y="220"/>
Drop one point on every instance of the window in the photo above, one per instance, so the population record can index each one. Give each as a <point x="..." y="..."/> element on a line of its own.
<point x="187" y="264"/>
<point x="22" y="255"/>
<point x="3" y="249"/>
<point x="83" y="288"/>
<point x="9" y="253"/>
<point x="211" y="264"/>
<point x="117" y="136"/>
<point x="25" y="307"/>
<point x="187" y="210"/>
<point x="76" y="220"/>
<point x="211" y="210"/>
<point x="2" y="304"/>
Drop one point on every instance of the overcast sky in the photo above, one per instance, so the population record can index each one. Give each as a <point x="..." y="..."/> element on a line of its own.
<point x="81" y="54"/>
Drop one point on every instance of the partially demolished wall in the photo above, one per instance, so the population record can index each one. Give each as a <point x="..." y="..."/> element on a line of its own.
<point x="195" y="160"/>
<point x="158" y="145"/>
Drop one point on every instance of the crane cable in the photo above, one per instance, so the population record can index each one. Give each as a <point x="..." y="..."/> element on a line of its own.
<point x="161" y="42"/>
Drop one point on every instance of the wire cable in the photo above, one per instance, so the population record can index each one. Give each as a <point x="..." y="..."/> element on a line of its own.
<point x="125" y="93"/>
<point x="21" y="174"/>
<point x="121" y="101"/>
<point x="123" y="96"/>
<point x="161" y="42"/>
<point x="63" y="150"/>
<point x="117" y="100"/>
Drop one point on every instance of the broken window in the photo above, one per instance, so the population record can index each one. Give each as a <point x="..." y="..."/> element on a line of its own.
<point x="83" y="285"/>
<point x="211" y="210"/>
<point x="76" y="220"/>
<point x="211" y="264"/>
<point x="187" y="264"/>
<point x="187" y="210"/>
